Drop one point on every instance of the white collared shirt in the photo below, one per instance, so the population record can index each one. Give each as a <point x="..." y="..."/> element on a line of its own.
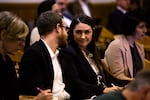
<point x="67" y="20"/>
<point x="58" y="85"/>
<point x="91" y="61"/>
<point x="85" y="8"/>
<point x="35" y="36"/>
<point x="122" y="10"/>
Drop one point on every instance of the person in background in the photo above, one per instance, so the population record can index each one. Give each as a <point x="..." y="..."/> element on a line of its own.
<point x="115" y="18"/>
<point x="146" y="8"/>
<point x="138" y="89"/>
<point x="47" y="5"/>
<point x="124" y="55"/>
<point x="63" y="5"/>
<point x="12" y="35"/>
<point x="89" y="76"/>
<point x="42" y="65"/>
<point x="78" y="7"/>
<point x="58" y="6"/>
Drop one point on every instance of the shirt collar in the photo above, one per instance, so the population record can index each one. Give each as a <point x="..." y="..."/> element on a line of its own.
<point x="87" y="54"/>
<point x="52" y="54"/>
<point x="121" y="9"/>
<point x="82" y="3"/>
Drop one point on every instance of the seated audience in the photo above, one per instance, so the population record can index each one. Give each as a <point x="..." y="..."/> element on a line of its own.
<point x="42" y="64"/>
<point x="116" y="16"/>
<point x="90" y="77"/>
<point x="124" y="56"/>
<point x="12" y="35"/>
<point x="138" y="89"/>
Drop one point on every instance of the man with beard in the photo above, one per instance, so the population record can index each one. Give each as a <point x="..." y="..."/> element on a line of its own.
<point x="42" y="65"/>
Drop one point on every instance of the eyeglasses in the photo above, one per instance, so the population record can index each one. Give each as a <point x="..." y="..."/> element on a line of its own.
<point x="66" y="28"/>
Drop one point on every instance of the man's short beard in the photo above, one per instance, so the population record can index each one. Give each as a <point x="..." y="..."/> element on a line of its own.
<point x="63" y="41"/>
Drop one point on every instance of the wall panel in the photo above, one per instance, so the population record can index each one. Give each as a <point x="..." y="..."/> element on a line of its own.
<point x="27" y="11"/>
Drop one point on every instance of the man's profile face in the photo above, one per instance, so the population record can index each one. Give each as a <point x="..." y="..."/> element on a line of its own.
<point x="63" y="35"/>
<point x="62" y="4"/>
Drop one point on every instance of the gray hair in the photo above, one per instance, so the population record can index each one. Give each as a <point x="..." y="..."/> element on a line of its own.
<point x="141" y="79"/>
<point x="12" y="26"/>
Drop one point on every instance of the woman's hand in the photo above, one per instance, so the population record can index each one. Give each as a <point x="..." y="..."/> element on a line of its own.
<point x="114" y="88"/>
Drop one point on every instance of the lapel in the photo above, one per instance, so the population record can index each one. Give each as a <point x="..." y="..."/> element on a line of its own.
<point x="62" y="62"/>
<point x="127" y="57"/>
<point x="85" y="64"/>
<point x="141" y="51"/>
<point x="49" y="71"/>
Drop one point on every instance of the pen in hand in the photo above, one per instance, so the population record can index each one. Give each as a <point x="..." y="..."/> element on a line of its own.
<point x="39" y="89"/>
<point x="113" y="85"/>
<point x="117" y="88"/>
<point x="44" y="94"/>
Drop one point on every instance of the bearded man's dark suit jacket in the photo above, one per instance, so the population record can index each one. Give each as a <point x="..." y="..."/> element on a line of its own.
<point x="36" y="69"/>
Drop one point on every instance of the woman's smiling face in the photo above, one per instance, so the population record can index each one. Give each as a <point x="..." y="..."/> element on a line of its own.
<point x="82" y="35"/>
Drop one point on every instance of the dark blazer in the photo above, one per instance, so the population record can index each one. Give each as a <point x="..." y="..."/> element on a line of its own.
<point x="9" y="89"/>
<point x="114" y="21"/>
<point x="87" y="78"/>
<point x="36" y="69"/>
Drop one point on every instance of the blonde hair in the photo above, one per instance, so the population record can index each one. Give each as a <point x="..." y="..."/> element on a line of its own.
<point x="12" y="26"/>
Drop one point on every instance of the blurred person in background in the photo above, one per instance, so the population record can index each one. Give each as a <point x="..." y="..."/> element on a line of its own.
<point x="138" y="89"/>
<point x="124" y="55"/>
<point x="47" y="5"/>
<point x="58" y="6"/>
<point x="63" y="5"/>
<point x="115" y="18"/>
<point x="12" y="36"/>
<point x="78" y="7"/>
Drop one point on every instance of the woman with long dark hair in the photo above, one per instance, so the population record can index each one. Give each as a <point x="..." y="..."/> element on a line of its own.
<point x="92" y="77"/>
